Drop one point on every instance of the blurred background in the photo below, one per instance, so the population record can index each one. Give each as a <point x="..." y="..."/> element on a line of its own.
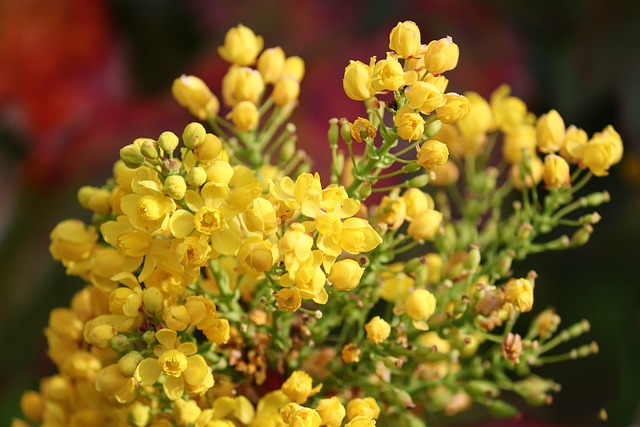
<point x="81" y="78"/>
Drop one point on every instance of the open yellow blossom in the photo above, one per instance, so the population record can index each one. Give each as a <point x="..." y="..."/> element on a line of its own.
<point x="424" y="97"/>
<point x="241" y="46"/>
<point x="410" y="125"/>
<point x="389" y="75"/>
<point x="358" y="236"/>
<point x="361" y="129"/>
<point x="520" y="293"/>
<point x="331" y="411"/>
<point x="288" y="299"/>
<point x="73" y="243"/>
<point x="363" y="407"/>
<point x="299" y="387"/>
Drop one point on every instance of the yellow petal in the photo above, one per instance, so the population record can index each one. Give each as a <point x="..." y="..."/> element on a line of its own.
<point x="181" y="223"/>
<point x="188" y="348"/>
<point x="225" y="241"/>
<point x="167" y="337"/>
<point x="173" y="387"/>
<point x="196" y="371"/>
<point x="147" y="372"/>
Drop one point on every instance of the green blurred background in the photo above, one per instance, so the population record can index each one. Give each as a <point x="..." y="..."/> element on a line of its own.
<point x="81" y="78"/>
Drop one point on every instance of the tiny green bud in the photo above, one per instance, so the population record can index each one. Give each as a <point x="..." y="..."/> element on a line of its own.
<point x="287" y="151"/>
<point x="482" y="389"/>
<point x="411" y="167"/>
<point x="131" y="156"/>
<point x="119" y="343"/>
<point x="129" y="362"/>
<point x="581" y="236"/>
<point x="596" y="199"/>
<point x="501" y="409"/>
<point x="432" y="128"/>
<point x="84" y="195"/>
<point x="418" y="181"/>
<point x="332" y="133"/>
<point x="345" y="131"/>
<point x="194" y="133"/>
<point x="473" y="258"/>
<point x="197" y="176"/>
<point x="365" y="189"/>
<point x="149" y="337"/>
<point x="149" y="149"/>
<point x="414" y="264"/>
<point x="175" y="186"/>
<point x="503" y="264"/>
<point x="168" y="141"/>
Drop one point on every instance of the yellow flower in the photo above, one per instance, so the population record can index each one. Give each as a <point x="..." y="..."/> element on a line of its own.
<point x="113" y="384"/>
<point x="256" y="256"/>
<point x="362" y="129"/>
<point x="432" y="339"/>
<point x="520" y="139"/>
<point x="424" y="97"/>
<point x="72" y="242"/>
<point x="574" y="141"/>
<point x="285" y="91"/>
<point x="217" y="331"/>
<point x="420" y="304"/>
<point x="241" y="84"/>
<point x="294" y="67"/>
<point x="358" y="236"/>
<point x="378" y="330"/>
<point x="404" y="39"/>
<point x="331" y="411"/>
<point x="175" y="186"/>
<point x="432" y="154"/>
<point x="410" y="125"/>
<point x="305" y="417"/>
<point x="241" y="46"/>
<point x="388" y="75"/>
<point x="350" y="353"/>
<point x="357" y="80"/>
<point x="176" y="317"/>
<point x="456" y="107"/>
<point x="361" y="421"/>
<point x="509" y="112"/>
<point x="345" y="274"/>
<point x="533" y="175"/>
<point x="148" y="209"/>
<point x="244" y="115"/>
<point x="288" y="299"/>
<point x="298" y="387"/>
<point x="520" y="293"/>
<point x="182" y="367"/>
<point x="392" y="211"/>
<point x="425" y="225"/>
<point x="194" y="94"/>
<point x="186" y="412"/>
<point x="441" y="55"/>
<point x="480" y="117"/>
<point x="550" y="132"/>
<point x="363" y="407"/>
<point x="603" y="150"/>
<point x="556" y="171"/>
<point x="417" y="201"/>
<point x="260" y="217"/>
<point x="271" y="64"/>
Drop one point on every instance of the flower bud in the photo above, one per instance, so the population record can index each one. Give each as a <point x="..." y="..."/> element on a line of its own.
<point x="101" y="335"/>
<point x="556" y="171"/>
<point x="597" y="154"/>
<point x="424" y="97"/>
<point x="378" y="330"/>
<point x="357" y="80"/>
<point x="197" y="176"/>
<point x="420" y="304"/>
<point x="432" y="154"/>
<point x="418" y="181"/>
<point x="186" y="412"/>
<point x="350" y="353"/>
<point x="345" y="274"/>
<point x="550" y="132"/>
<point x="131" y="156"/>
<point x="152" y="301"/>
<point x="129" y="362"/>
<point x="519" y="292"/>
<point x="425" y="225"/>
<point x="177" y="317"/>
<point x="456" y="107"/>
<point x="241" y="46"/>
<point x="363" y="407"/>
<point x="209" y="149"/>
<point x="193" y="94"/>
<point x="194" y="133"/>
<point x="244" y="115"/>
<point x="441" y="55"/>
<point x="119" y="343"/>
<point x="168" y="141"/>
<point x="241" y="84"/>
<point x="410" y="125"/>
<point x="501" y="409"/>
<point x="32" y="405"/>
<point x="294" y="67"/>
<point x="218" y="332"/>
<point x="271" y="64"/>
<point x="445" y="175"/>
<point x="388" y="75"/>
<point x="139" y="415"/>
<point x="175" y="187"/>
<point x="285" y="91"/>
<point x="149" y="149"/>
<point x="404" y="39"/>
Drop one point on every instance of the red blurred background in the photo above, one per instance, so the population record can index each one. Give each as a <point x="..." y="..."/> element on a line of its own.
<point x="81" y="78"/>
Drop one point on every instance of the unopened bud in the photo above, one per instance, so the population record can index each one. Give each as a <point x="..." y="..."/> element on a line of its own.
<point x="581" y="236"/>
<point x="168" y="141"/>
<point x="501" y="409"/>
<point x="596" y="199"/>
<point x="119" y="343"/>
<point x="411" y="167"/>
<point x="149" y="149"/>
<point x="129" y="362"/>
<point x="194" y="133"/>
<point x="139" y="415"/>
<point x="365" y="189"/>
<point x="345" y="131"/>
<point x="131" y="156"/>
<point x="175" y="186"/>
<point x="418" y="181"/>
<point x="149" y="337"/>
<point x="333" y="132"/>
<point x="482" y="389"/>
<point x="287" y="151"/>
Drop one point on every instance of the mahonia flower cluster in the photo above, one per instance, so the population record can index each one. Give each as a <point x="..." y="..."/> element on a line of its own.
<point x="224" y="279"/>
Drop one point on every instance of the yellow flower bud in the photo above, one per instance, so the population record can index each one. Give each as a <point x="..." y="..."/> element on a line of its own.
<point x="32" y="405"/>
<point x="357" y="80"/>
<point x="519" y="292"/>
<point x="345" y="274"/>
<point x="294" y="67"/>
<point x="509" y="112"/>
<point x="175" y="186"/>
<point x="298" y="387"/>
<point x="361" y="421"/>
<point x="388" y="75"/>
<point x="574" y="141"/>
<point x="168" y="141"/>
<point x="456" y="107"/>
<point x="424" y="97"/>
<point x="241" y="46"/>
<point x="177" y="317"/>
<point x="208" y="149"/>
<point x="556" y="171"/>
<point x="285" y="91"/>
<point x="425" y="225"/>
<point x="219" y="172"/>
<point x="244" y="115"/>
<point x="410" y="125"/>
<point x="305" y="417"/>
<point x="480" y="118"/>
<point x="241" y="84"/>
<point x="256" y="255"/>
<point x="186" y="411"/>
<point x="331" y="411"/>
<point x="616" y="141"/>
<point x="550" y="131"/>
<point x="131" y="156"/>
<point x="152" y="301"/>
<point x="596" y="155"/>
<point x="417" y="201"/>
<point x="420" y="304"/>
<point x="194" y="133"/>
<point x="363" y="407"/>
<point x="101" y="335"/>
<point x="520" y="139"/>
<point x="362" y="129"/>
<point x="218" y="331"/>
<point x="441" y="55"/>
<point x="438" y="80"/>
<point x="378" y="330"/>
<point x="532" y="177"/>
<point x="100" y="201"/>
<point x="139" y="415"/>
<point x="194" y="94"/>
<point x="432" y="154"/>
<point x="445" y="175"/>
<point x="260" y="216"/>
<point x="358" y="236"/>
<point x="129" y="362"/>
<point x="197" y="176"/>
<point x="404" y="39"/>
<point x="271" y="64"/>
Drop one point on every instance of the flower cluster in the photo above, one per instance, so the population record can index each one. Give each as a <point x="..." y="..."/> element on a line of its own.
<point x="224" y="280"/>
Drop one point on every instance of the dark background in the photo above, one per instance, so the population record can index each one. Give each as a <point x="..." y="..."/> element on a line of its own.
<point x="81" y="78"/>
